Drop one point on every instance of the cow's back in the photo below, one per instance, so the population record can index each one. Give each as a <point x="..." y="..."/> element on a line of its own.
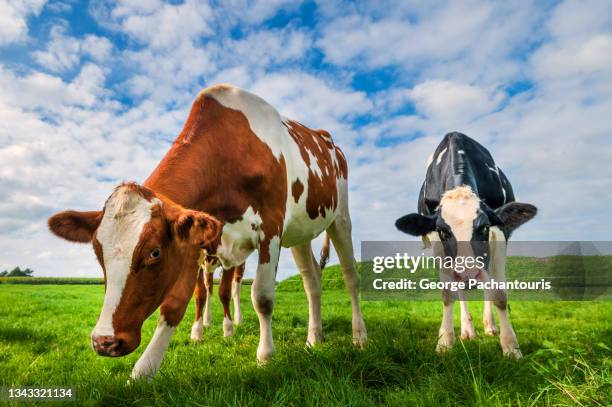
<point x="460" y="160"/>
<point x="314" y="170"/>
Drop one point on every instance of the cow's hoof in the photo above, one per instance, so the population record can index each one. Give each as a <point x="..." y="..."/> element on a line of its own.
<point x="490" y="329"/>
<point x="468" y="333"/>
<point x="197" y="331"/>
<point x="360" y="334"/>
<point x="315" y="336"/>
<point x="514" y="353"/>
<point x="445" y="342"/>
<point x="264" y="356"/>
<point x="228" y="327"/>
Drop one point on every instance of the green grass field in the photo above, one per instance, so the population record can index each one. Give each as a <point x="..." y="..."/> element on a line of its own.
<point x="44" y="341"/>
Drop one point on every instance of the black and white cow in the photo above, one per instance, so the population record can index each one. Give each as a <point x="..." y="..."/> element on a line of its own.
<point x="467" y="207"/>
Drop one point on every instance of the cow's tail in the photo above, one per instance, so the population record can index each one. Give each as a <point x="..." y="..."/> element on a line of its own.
<point x="324" y="256"/>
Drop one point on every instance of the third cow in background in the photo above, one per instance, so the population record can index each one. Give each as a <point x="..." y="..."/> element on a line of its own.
<point x="467" y="207"/>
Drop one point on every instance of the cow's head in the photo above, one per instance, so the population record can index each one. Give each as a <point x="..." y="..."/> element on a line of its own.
<point x="144" y="243"/>
<point x="465" y="226"/>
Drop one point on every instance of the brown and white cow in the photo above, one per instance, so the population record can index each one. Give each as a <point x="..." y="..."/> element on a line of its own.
<point x="238" y="178"/>
<point x="229" y="289"/>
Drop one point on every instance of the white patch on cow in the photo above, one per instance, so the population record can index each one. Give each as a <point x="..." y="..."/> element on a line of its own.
<point x="125" y="214"/>
<point x="429" y="160"/>
<point x="461" y="152"/>
<point x="314" y="165"/>
<point x="264" y="119"/>
<point x="239" y="239"/>
<point x="151" y="359"/>
<point x="439" y="159"/>
<point x="504" y="192"/>
<point x="459" y="209"/>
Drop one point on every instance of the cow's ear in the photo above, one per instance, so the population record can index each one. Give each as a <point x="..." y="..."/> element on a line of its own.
<point x="514" y="214"/>
<point x="198" y="228"/>
<point x="416" y="225"/>
<point x="75" y="226"/>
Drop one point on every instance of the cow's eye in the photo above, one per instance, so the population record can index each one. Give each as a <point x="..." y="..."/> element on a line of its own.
<point x="155" y="253"/>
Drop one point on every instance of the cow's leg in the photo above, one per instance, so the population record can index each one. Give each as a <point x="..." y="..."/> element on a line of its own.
<point x="208" y="282"/>
<point x="446" y="334"/>
<point x="467" y="325"/>
<point x="225" y="288"/>
<point x="507" y="337"/>
<point x="236" y="285"/>
<point x="340" y="234"/>
<point x="200" y="298"/>
<point x="497" y="267"/>
<point x="262" y="295"/>
<point x="311" y="275"/>
<point x="488" y="318"/>
<point x="172" y="310"/>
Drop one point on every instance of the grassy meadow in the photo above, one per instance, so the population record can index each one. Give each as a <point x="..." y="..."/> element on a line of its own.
<point x="44" y="341"/>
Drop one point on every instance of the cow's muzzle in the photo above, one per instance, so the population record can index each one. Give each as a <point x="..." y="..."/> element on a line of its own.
<point x="112" y="346"/>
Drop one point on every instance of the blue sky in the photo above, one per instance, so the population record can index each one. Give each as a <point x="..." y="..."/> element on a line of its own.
<point x="94" y="92"/>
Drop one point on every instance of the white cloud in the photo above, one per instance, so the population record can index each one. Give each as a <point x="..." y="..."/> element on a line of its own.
<point x="68" y="140"/>
<point x="163" y="26"/>
<point x="64" y="52"/>
<point x="13" y="18"/>
<point x="453" y="101"/>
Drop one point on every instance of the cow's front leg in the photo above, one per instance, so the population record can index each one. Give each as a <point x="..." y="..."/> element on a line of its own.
<point x="507" y="337"/>
<point x="225" y="288"/>
<point x="446" y="335"/>
<point x="208" y="283"/>
<point x="467" y="324"/>
<point x="172" y="310"/>
<point x="200" y="295"/>
<point x="488" y="318"/>
<point x="151" y="359"/>
<point x="262" y="295"/>
<point x="236" y="284"/>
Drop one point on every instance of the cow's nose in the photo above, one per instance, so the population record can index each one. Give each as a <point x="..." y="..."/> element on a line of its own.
<point x="106" y="345"/>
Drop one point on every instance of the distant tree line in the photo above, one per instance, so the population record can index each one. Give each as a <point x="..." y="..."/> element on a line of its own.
<point x="17" y="272"/>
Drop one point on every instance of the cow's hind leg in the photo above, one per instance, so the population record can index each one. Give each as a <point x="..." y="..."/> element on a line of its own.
<point x="311" y="275"/>
<point x="225" y="288"/>
<point x="200" y="298"/>
<point x="236" y="284"/>
<point x="340" y="234"/>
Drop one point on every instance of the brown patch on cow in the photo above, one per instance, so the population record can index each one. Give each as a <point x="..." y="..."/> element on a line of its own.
<point x="219" y="166"/>
<point x="225" y="291"/>
<point x="296" y="190"/>
<point x="322" y="192"/>
<point x="264" y="305"/>
<point x="238" y="273"/>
